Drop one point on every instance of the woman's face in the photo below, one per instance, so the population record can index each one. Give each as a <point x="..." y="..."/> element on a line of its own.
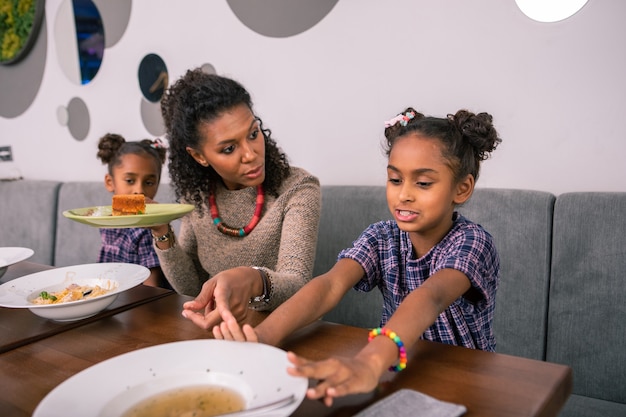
<point x="234" y="146"/>
<point x="135" y="174"/>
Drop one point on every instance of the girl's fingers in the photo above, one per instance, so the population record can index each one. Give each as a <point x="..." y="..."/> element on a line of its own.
<point x="230" y="328"/>
<point x="250" y="334"/>
<point x="296" y="360"/>
<point x="337" y="377"/>
<point x="226" y="331"/>
<point x="319" y="370"/>
<point x="217" y="333"/>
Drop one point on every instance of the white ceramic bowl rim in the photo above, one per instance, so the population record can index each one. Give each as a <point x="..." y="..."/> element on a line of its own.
<point x="17" y="293"/>
<point x="13" y="255"/>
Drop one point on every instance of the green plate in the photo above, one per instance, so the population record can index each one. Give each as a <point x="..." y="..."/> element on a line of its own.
<point x="100" y="216"/>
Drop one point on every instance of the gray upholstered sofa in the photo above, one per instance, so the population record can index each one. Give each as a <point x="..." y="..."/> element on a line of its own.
<point x="562" y="297"/>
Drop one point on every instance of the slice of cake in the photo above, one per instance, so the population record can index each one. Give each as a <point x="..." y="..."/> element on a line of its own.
<point x="125" y="204"/>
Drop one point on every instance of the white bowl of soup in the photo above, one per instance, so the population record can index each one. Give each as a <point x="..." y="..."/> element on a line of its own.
<point x="209" y="376"/>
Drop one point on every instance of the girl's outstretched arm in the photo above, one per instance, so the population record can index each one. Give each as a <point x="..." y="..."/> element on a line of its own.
<point x="344" y="376"/>
<point x="310" y="303"/>
<point x="419" y="310"/>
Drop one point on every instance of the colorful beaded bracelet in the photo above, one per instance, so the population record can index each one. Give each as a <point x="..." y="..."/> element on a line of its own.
<point x="396" y="339"/>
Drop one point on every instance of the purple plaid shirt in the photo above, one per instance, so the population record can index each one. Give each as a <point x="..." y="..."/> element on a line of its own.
<point x="132" y="245"/>
<point x="386" y="254"/>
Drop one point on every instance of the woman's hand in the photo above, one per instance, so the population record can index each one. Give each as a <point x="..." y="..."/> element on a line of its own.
<point x="227" y="292"/>
<point x="337" y="376"/>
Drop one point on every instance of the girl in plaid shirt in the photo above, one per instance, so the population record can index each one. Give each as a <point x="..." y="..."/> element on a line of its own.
<point x="133" y="168"/>
<point x="438" y="271"/>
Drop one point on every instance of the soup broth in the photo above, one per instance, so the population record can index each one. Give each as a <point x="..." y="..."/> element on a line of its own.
<point x="194" y="401"/>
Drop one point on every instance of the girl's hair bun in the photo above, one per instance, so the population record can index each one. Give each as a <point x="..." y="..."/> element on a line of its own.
<point x="478" y="130"/>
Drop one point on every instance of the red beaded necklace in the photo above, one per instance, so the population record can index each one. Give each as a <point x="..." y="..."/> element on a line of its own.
<point x="227" y="230"/>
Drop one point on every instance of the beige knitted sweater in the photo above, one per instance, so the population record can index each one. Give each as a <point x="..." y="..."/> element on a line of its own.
<point x="283" y="242"/>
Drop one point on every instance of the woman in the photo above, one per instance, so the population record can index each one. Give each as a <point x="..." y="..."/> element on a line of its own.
<point x="250" y="241"/>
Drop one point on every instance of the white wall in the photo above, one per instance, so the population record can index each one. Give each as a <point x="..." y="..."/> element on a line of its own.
<point x="557" y="91"/>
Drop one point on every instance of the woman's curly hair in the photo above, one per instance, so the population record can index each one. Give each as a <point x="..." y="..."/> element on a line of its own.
<point x="198" y="98"/>
<point x="467" y="138"/>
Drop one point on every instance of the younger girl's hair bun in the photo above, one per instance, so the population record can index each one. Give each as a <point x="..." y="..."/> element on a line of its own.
<point x="108" y="146"/>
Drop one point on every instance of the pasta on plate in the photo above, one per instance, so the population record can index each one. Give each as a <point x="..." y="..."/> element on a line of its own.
<point x="73" y="292"/>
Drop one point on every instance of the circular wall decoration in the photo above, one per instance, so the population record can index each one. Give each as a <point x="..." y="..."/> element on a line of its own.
<point x="79" y="37"/>
<point x="281" y="18"/>
<point x="19" y="25"/>
<point x="549" y="11"/>
<point x="152" y="118"/>
<point x="78" y="118"/>
<point x="20" y="83"/>
<point x="208" y="68"/>
<point x="63" y="115"/>
<point x="153" y="77"/>
<point x="115" y="16"/>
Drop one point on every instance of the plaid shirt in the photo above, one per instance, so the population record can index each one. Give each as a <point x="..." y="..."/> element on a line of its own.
<point x="386" y="254"/>
<point x="132" y="246"/>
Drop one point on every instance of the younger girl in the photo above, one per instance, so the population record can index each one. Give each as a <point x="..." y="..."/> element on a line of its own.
<point x="437" y="270"/>
<point x="133" y="168"/>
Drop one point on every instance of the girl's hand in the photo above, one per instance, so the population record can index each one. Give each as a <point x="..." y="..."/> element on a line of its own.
<point x="337" y="376"/>
<point x="229" y="329"/>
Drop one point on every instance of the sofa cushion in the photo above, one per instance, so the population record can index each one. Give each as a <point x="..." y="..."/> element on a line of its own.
<point x="28" y="218"/>
<point x="520" y="222"/>
<point x="79" y="243"/>
<point x="587" y="314"/>
<point x="346" y="212"/>
<point x="581" y="406"/>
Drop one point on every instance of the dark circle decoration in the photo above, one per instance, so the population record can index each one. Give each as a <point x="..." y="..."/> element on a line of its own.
<point x="19" y="27"/>
<point x="153" y="77"/>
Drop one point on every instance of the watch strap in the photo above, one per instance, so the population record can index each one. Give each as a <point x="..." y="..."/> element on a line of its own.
<point x="265" y="297"/>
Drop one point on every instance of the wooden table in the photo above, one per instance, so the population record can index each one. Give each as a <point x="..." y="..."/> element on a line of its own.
<point x="22" y="268"/>
<point x="20" y="326"/>
<point x="488" y="384"/>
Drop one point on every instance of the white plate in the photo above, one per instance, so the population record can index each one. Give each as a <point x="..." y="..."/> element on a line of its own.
<point x="19" y="292"/>
<point x="10" y="256"/>
<point x="257" y="371"/>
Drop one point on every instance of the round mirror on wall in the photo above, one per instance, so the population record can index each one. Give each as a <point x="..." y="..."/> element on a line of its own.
<point x="548" y="11"/>
<point x="153" y="77"/>
<point x="79" y="38"/>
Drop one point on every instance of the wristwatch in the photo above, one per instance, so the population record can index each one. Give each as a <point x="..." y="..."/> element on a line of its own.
<point x="265" y="297"/>
<point x="169" y="236"/>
